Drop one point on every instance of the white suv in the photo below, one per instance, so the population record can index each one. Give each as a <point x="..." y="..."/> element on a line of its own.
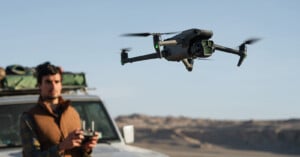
<point x="90" y="108"/>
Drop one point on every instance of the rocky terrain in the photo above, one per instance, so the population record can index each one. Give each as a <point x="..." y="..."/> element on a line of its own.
<point x="276" y="136"/>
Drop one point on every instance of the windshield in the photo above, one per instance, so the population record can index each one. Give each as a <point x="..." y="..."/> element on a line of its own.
<point x="93" y="111"/>
<point x="88" y="111"/>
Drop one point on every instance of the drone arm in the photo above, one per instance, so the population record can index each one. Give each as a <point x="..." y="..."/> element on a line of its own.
<point x="241" y="52"/>
<point x="140" y="58"/>
<point x="226" y="49"/>
<point x="168" y="42"/>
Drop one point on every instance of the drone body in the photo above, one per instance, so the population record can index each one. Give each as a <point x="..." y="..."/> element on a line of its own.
<point x="185" y="47"/>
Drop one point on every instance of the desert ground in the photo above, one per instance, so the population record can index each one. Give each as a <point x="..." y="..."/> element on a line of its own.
<point x="183" y="136"/>
<point x="209" y="151"/>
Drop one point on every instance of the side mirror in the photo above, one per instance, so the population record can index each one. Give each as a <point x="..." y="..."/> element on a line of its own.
<point x="128" y="133"/>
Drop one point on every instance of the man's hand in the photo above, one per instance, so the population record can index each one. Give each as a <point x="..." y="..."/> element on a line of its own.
<point x="89" y="145"/>
<point x="74" y="139"/>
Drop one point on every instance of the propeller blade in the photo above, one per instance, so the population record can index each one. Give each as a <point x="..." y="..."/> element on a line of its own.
<point x="145" y="34"/>
<point x="137" y="34"/>
<point x="125" y="49"/>
<point x="251" y="41"/>
<point x="168" y="33"/>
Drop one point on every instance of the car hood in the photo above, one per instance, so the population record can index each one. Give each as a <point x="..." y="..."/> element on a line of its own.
<point x="11" y="152"/>
<point x="122" y="150"/>
<point x="103" y="150"/>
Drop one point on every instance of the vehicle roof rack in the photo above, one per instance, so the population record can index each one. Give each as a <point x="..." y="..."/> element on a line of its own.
<point x="27" y="84"/>
<point x="65" y="89"/>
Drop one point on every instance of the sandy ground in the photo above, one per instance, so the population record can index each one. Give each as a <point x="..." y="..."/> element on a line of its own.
<point x="208" y="151"/>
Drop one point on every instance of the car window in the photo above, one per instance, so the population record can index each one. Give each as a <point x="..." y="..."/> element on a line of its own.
<point x="10" y="124"/>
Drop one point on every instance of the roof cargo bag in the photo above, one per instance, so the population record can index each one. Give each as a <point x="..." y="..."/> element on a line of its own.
<point x="74" y="79"/>
<point x="15" y="82"/>
<point x="19" y="82"/>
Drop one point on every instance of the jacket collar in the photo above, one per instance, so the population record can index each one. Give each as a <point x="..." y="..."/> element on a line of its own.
<point x="62" y="105"/>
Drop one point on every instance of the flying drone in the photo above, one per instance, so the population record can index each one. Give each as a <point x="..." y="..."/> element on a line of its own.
<point x="185" y="47"/>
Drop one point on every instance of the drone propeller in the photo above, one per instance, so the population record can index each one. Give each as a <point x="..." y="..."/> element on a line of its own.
<point x="243" y="49"/>
<point x="250" y="41"/>
<point x="125" y="50"/>
<point x="137" y="34"/>
<point x="146" y="34"/>
<point x="124" y="55"/>
<point x="167" y="33"/>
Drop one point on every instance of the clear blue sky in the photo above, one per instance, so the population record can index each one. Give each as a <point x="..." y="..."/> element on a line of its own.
<point x="84" y="36"/>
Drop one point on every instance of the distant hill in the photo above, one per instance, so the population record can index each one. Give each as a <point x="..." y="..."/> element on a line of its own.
<point x="281" y="136"/>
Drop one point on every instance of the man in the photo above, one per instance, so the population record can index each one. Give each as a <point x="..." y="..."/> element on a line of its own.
<point x="52" y="127"/>
<point x="2" y="76"/>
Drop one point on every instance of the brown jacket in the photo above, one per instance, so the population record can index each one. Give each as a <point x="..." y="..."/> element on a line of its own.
<point x="52" y="129"/>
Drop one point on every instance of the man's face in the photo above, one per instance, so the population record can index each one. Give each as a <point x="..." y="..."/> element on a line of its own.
<point x="50" y="87"/>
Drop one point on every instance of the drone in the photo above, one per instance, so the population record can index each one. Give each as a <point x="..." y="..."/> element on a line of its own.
<point x="186" y="46"/>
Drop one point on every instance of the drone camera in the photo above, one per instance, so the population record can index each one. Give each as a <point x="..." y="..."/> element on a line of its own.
<point x="202" y="48"/>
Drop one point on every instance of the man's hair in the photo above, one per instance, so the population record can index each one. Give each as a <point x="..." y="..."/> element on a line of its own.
<point x="45" y="69"/>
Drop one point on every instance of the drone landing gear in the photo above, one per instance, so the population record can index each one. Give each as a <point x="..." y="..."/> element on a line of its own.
<point x="188" y="63"/>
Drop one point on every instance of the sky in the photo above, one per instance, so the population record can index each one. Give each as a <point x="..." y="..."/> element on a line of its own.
<point x="84" y="36"/>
